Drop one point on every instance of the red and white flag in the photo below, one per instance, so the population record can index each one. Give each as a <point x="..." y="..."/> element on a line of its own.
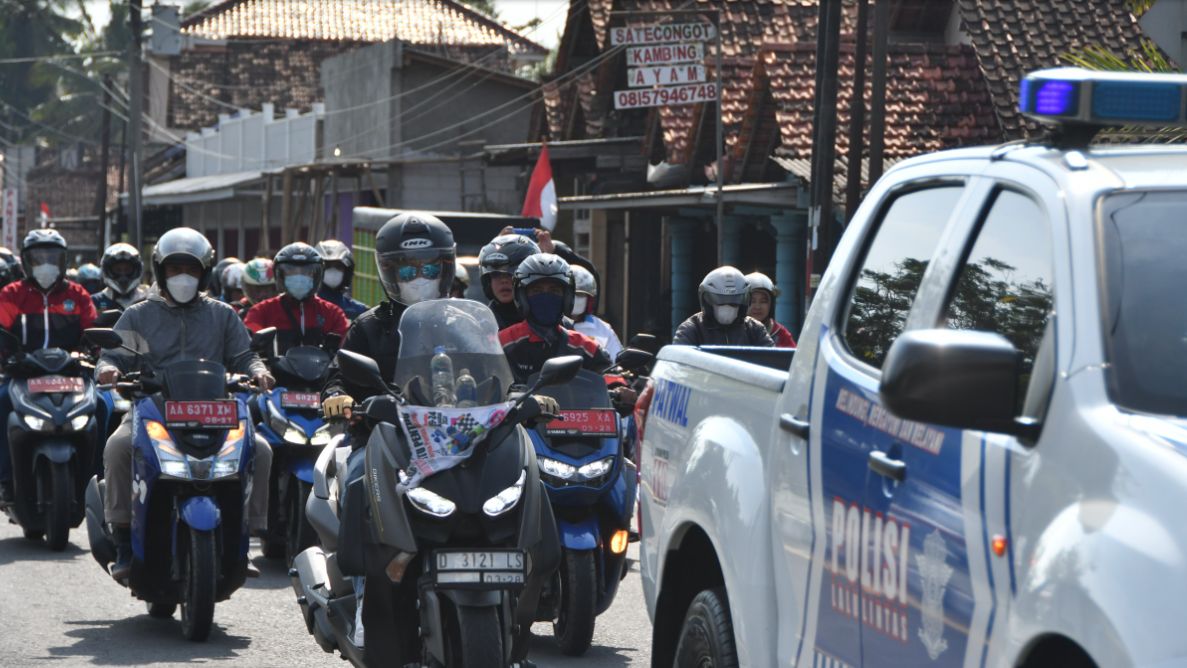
<point x="44" y="216"/>
<point x="540" y="201"/>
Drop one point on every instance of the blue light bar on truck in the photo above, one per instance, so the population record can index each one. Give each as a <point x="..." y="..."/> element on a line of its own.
<point x="1073" y="95"/>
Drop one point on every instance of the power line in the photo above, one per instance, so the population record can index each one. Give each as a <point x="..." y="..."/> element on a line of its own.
<point x="57" y="56"/>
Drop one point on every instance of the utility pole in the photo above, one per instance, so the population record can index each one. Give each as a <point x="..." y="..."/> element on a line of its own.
<point x="101" y="196"/>
<point x="857" y="111"/>
<point x="136" y="99"/>
<point x="825" y="145"/>
<point x="878" y="94"/>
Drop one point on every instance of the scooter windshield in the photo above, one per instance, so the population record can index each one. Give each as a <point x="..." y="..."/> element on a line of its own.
<point x="587" y="390"/>
<point x="466" y="331"/>
<point x="308" y="363"/>
<point x="195" y="380"/>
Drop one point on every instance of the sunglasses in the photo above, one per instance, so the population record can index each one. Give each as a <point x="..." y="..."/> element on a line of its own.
<point x="408" y="272"/>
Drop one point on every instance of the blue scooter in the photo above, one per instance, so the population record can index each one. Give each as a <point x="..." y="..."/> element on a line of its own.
<point x="592" y="488"/>
<point x="192" y="457"/>
<point x="289" y="418"/>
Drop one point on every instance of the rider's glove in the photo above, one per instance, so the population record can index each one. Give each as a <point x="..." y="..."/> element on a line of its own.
<point x="108" y="375"/>
<point x="337" y="406"/>
<point x="540" y="409"/>
<point x="264" y="380"/>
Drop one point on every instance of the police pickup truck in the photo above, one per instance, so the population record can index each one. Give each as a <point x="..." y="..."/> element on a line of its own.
<point x="978" y="454"/>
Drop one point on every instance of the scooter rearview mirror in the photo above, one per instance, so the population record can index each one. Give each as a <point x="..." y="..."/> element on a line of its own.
<point x="559" y="370"/>
<point x="361" y="370"/>
<point x="262" y="340"/>
<point x="108" y="318"/>
<point x="633" y="359"/>
<point x="645" y="342"/>
<point x="105" y="338"/>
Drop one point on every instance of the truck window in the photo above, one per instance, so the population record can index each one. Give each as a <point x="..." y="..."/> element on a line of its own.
<point x="893" y="267"/>
<point x="1005" y="284"/>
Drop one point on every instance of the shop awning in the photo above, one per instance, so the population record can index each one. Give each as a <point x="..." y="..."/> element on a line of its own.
<point x="200" y="188"/>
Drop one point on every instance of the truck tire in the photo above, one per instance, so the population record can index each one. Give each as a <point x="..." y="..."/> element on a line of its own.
<point x="200" y="584"/>
<point x="57" y="511"/>
<point x="707" y="635"/>
<point x="577" y="609"/>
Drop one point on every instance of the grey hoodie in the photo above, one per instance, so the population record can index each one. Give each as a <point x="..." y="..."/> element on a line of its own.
<point x="204" y="329"/>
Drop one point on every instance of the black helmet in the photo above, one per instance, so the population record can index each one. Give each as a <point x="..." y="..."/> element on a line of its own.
<point x="415" y="241"/>
<point x="182" y="244"/>
<point x="334" y="251"/>
<point x="298" y="260"/>
<point x="124" y="282"/>
<point x="502" y="256"/>
<point x="215" y="286"/>
<point x="13" y="261"/>
<point x="45" y="246"/>
<point x="543" y="267"/>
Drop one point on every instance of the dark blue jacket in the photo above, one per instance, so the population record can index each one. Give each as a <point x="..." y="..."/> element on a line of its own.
<point x="353" y="308"/>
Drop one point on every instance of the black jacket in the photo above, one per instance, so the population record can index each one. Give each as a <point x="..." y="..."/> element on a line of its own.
<point x="376" y="335"/>
<point x="505" y="314"/>
<point x="696" y="332"/>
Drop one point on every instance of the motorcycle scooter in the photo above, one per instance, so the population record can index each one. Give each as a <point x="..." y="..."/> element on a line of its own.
<point x="454" y="564"/>
<point x="192" y="458"/>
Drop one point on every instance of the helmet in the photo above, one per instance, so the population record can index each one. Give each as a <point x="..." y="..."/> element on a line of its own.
<point x="232" y="278"/>
<point x="258" y="281"/>
<point x="294" y="261"/>
<point x="543" y="267"/>
<point x="724" y="286"/>
<point x="414" y="247"/>
<point x="760" y="281"/>
<point x="183" y="245"/>
<point x="335" y="252"/>
<point x="90" y="277"/>
<point x="45" y="246"/>
<point x="461" y="274"/>
<point x="502" y="255"/>
<point x="121" y="279"/>
<point x="216" y="276"/>
<point x="585" y="285"/>
<point x="13" y="263"/>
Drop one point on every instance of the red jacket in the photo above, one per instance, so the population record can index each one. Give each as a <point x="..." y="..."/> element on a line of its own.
<point x="297" y="323"/>
<point x="783" y="337"/>
<point x="527" y="352"/>
<point x="53" y="320"/>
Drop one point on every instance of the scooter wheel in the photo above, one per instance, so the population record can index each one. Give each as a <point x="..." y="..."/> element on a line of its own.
<point x="34" y="535"/>
<point x="162" y="610"/>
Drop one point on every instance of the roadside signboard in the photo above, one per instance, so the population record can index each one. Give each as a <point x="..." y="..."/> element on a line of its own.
<point x="8" y="217"/>
<point x="664" y="54"/>
<point x="663" y="34"/>
<point x="665" y="75"/>
<point x="665" y="96"/>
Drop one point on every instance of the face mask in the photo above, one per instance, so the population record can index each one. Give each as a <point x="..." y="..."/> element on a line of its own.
<point x="182" y="288"/>
<point x="725" y="314"/>
<point x="419" y="290"/>
<point x="545" y="308"/>
<point x="46" y="275"/>
<point x="298" y="287"/>
<point x="333" y="278"/>
<point x="579" y="304"/>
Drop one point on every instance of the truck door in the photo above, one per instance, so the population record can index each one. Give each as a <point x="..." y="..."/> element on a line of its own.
<point x="929" y="574"/>
<point x="871" y="311"/>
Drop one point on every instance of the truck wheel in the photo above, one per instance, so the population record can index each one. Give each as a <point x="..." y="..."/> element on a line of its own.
<point x="201" y="581"/>
<point x="574" y="625"/>
<point x="300" y="533"/>
<point x="480" y="638"/>
<point x="707" y="636"/>
<point x="57" y="512"/>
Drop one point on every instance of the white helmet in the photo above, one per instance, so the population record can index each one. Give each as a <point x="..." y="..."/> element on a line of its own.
<point x="724" y="293"/>
<point x="760" y="281"/>
<point x="584" y="280"/>
<point x="232" y="276"/>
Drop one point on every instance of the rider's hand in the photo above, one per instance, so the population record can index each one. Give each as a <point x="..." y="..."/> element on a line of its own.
<point x="264" y="380"/>
<point x="544" y="241"/>
<point x="337" y="406"/>
<point x="624" y="395"/>
<point x="109" y="375"/>
<point x="546" y="409"/>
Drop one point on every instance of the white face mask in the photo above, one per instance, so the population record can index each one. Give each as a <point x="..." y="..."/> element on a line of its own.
<point x="299" y="287"/>
<point x="419" y="290"/>
<point x="46" y="275"/>
<point x="725" y="314"/>
<point x="579" y="304"/>
<point x="182" y="288"/>
<point x="333" y="278"/>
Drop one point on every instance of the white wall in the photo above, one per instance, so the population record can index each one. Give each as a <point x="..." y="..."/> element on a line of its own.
<point x="1166" y="23"/>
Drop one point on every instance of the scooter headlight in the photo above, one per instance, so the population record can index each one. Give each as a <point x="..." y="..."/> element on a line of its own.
<point x="506" y="499"/>
<point x="289" y="432"/>
<point x="555" y="469"/>
<point x="294" y="435"/>
<point x="121" y="406"/>
<point x="429" y="502"/>
<point x="173" y="461"/>
<point x="595" y="470"/>
<point x="33" y="422"/>
<point x="226" y="462"/>
<point x="79" y="422"/>
<point x="322" y="436"/>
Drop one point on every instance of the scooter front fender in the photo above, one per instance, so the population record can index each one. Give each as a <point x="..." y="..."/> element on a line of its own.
<point x="301" y="468"/>
<point x="581" y="535"/>
<point x="58" y="452"/>
<point x="200" y="513"/>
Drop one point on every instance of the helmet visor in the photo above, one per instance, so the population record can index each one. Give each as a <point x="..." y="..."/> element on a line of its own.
<point x="725" y="300"/>
<point x="47" y="255"/>
<point x="407" y="266"/>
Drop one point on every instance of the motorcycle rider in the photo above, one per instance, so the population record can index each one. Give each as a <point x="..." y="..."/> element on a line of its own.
<point x="762" y="308"/>
<point x="232" y="283"/>
<point x="461" y="282"/>
<point x="122" y="271"/>
<point x="43" y="311"/>
<point x="335" y="282"/>
<point x="90" y="277"/>
<point x="298" y="314"/>
<point x="259" y="284"/>
<point x="10" y="267"/>
<point x="585" y="303"/>
<point x="497" y="262"/>
<point x="179" y="322"/>
<point x="722" y="320"/>
<point x="215" y="287"/>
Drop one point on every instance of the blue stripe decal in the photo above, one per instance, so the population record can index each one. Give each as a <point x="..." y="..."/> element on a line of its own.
<point x="1009" y="524"/>
<point x="988" y="559"/>
<point x="808" y="460"/>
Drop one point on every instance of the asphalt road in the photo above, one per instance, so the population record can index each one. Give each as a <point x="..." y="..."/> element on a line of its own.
<point x="60" y="609"/>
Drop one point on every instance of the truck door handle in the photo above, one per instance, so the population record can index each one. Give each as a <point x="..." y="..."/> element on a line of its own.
<point x="883" y="465"/>
<point x="794" y="426"/>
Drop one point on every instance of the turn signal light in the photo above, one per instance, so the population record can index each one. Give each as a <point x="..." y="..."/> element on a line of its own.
<point x="618" y="541"/>
<point x="396" y="567"/>
<point x="999" y="545"/>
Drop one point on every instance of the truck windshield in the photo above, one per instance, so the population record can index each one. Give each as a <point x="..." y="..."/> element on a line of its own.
<point x="1142" y="238"/>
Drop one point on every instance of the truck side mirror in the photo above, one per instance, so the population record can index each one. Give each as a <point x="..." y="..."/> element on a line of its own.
<point x="955" y="378"/>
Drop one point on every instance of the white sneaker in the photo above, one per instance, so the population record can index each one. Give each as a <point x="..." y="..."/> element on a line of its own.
<point x="357" y="638"/>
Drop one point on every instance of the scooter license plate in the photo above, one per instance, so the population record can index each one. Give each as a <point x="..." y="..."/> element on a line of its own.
<point x="479" y="567"/>
<point x="300" y="400"/>
<point x="54" y="384"/>
<point x="589" y="422"/>
<point x="215" y="414"/>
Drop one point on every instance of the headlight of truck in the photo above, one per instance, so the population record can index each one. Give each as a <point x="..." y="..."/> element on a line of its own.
<point x="173" y="461"/>
<point x="226" y="462"/>
<point x="506" y="499"/>
<point x="595" y="470"/>
<point x="429" y="502"/>
<point x="552" y="467"/>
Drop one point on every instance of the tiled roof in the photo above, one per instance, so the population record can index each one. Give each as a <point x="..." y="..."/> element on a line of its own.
<point x="1013" y="37"/>
<point x="419" y="22"/>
